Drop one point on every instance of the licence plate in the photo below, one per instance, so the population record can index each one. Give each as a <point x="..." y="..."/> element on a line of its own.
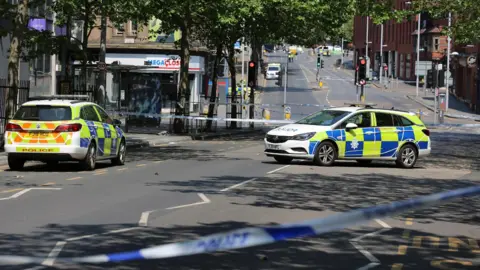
<point x="273" y="146"/>
<point x="37" y="135"/>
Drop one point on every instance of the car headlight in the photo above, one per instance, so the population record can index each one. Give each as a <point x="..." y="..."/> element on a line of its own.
<point x="304" y="136"/>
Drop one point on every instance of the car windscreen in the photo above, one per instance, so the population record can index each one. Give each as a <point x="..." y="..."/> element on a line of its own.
<point x="43" y="113"/>
<point x="323" y="118"/>
<point x="273" y="68"/>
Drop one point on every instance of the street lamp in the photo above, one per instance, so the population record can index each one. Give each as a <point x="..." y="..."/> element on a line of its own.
<point x="417" y="64"/>
<point x="448" y="62"/>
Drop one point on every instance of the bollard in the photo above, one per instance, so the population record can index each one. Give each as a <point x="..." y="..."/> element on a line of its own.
<point x="266" y="115"/>
<point x="320" y="84"/>
<point x="287" y="116"/>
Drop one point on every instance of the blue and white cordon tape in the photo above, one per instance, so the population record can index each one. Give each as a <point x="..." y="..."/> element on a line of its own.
<point x="257" y="236"/>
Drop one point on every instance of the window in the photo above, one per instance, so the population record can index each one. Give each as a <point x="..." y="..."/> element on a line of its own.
<point x="436" y="44"/>
<point x="400" y="121"/>
<point x="119" y="28"/>
<point x="362" y="120"/>
<point x="88" y="113"/>
<point x="384" y="120"/>
<point x="133" y="27"/>
<point x="43" y="113"/>
<point x="273" y="68"/>
<point x="104" y="118"/>
<point x="323" y="118"/>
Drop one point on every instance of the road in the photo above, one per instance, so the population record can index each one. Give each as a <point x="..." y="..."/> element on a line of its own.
<point x="174" y="192"/>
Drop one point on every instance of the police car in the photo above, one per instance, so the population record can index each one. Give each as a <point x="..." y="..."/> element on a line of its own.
<point x="357" y="132"/>
<point x="53" y="129"/>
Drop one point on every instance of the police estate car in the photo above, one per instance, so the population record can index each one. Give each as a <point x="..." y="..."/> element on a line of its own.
<point x="273" y="71"/>
<point x="54" y="129"/>
<point x="357" y="133"/>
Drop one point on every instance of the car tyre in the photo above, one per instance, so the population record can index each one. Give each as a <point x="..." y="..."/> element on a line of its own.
<point x="325" y="154"/>
<point x="407" y="156"/>
<point x="364" y="161"/>
<point x="283" y="160"/>
<point x="15" y="164"/>
<point x="91" y="158"/>
<point x="119" y="160"/>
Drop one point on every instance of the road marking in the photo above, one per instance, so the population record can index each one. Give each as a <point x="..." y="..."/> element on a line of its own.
<point x="74" y="178"/>
<point x="230" y="148"/>
<point x="397" y="266"/>
<point x="54" y="253"/>
<point x="48" y="184"/>
<point x="93" y="235"/>
<point x="11" y="190"/>
<point x="402" y="250"/>
<point x="143" y="222"/>
<point x="20" y="193"/>
<point x="201" y="195"/>
<point x="278" y="169"/>
<point x="122" y="169"/>
<point x="220" y="150"/>
<point x="141" y="165"/>
<point x="239" y="184"/>
<point x="100" y="173"/>
<point x="373" y="260"/>
<point x="159" y="161"/>
<point x="409" y="221"/>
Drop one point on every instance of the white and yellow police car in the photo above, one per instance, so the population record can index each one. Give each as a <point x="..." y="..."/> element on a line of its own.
<point x="53" y="129"/>
<point x="357" y="132"/>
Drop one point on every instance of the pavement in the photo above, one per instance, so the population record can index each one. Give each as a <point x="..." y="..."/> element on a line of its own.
<point x="169" y="192"/>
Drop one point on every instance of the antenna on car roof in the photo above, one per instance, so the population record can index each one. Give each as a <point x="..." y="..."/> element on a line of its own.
<point x="62" y="97"/>
<point x="360" y="104"/>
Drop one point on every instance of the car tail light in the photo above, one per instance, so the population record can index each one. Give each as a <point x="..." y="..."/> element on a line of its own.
<point x="13" y="127"/>
<point x="426" y="132"/>
<point x="69" y="128"/>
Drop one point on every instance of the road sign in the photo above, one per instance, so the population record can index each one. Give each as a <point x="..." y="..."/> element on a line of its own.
<point x="422" y="67"/>
<point x="101" y="66"/>
<point x="363" y="82"/>
<point x="385" y="67"/>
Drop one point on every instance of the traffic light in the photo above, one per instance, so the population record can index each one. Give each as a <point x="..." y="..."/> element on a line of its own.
<point x="362" y="69"/>
<point x="319" y="59"/>
<point x="321" y="64"/>
<point x="251" y="74"/>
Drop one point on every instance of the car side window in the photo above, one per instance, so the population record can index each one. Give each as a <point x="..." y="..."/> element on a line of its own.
<point x="88" y="113"/>
<point x="400" y="121"/>
<point x="104" y="116"/>
<point x="384" y="120"/>
<point x="362" y="120"/>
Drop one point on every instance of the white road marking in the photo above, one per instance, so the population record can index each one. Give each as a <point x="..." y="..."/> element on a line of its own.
<point x="54" y="253"/>
<point x="239" y="184"/>
<point x="20" y="193"/>
<point x="146" y="214"/>
<point x="278" y="169"/>
<point x="373" y="260"/>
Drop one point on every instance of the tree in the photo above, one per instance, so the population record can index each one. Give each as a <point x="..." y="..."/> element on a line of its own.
<point x="25" y="43"/>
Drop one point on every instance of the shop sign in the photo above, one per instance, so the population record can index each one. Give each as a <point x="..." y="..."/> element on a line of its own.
<point x="166" y="63"/>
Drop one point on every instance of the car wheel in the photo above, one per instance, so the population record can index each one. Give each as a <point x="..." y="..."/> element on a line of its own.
<point x="364" y="161"/>
<point x="283" y="160"/>
<point x="120" y="158"/>
<point x="15" y="164"/>
<point x="91" y="158"/>
<point x="326" y="154"/>
<point x="407" y="157"/>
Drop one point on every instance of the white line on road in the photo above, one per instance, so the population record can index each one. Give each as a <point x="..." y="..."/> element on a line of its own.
<point x="239" y="184"/>
<point x="373" y="260"/>
<point x="146" y="214"/>
<point x="54" y="253"/>
<point x="20" y="193"/>
<point x="278" y="169"/>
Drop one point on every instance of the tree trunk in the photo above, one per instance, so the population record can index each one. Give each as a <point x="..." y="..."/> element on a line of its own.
<point x="233" y="79"/>
<point x="13" y="79"/>
<point x="182" y="107"/>
<point x="85" y="45"/>
<point x="213" y="94"/>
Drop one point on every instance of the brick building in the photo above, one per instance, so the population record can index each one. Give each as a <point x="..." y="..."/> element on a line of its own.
<point x="399" y="50"/>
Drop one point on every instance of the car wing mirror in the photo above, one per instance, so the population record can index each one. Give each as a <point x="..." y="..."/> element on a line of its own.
<point x="351" y="126"/>
<point x="116" y="123"/>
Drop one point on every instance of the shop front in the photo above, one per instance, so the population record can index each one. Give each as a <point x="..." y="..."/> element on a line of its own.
<point x="150" y="88"/>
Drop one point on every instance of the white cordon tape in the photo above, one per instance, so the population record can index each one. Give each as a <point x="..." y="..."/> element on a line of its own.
<point x="256" y="236"/>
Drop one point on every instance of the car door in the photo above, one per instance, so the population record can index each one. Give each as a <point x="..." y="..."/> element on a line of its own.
<point x="109" y="143"/>
<point x="389" y="134"/>
<point x="359" y="142"/>
<point x="92" y="120"/>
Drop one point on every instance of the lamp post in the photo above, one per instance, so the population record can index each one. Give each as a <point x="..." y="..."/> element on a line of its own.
<point x="417" y="83"/>
<point x="448" y="62"/>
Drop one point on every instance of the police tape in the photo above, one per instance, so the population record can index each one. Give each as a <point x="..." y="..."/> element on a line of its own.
<point x="256" y="236"/>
